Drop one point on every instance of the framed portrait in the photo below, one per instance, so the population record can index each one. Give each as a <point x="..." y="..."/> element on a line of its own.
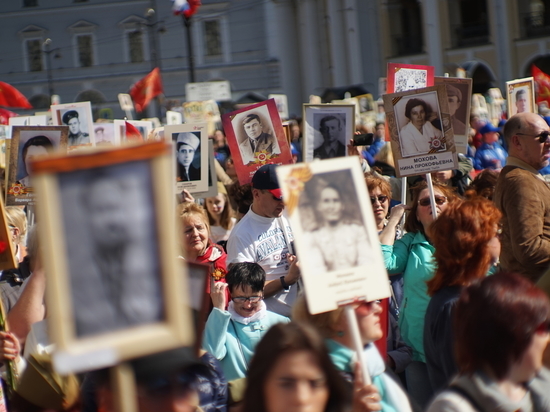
<point x="39" y="120"/>
<point x="78" y="116"/>
<point x="256" y="137"/>
<point x="104" y="134"/>
<point x="335" y="233"/>
<point x="420" y="131"/>
<point x="109" y="244"/>
<point x="190" y="159"/>
<point x="198" y="274"/>
<point x="27" y="144"/>
<point x="122" y="135"/>
<point x="281" y="100"/>
<point x="327" y="130"/>
<point x="459" y="98"/>
<point x="212" y="175"/>
<point x="520" y="94"/>
<point x="403" y="77"/>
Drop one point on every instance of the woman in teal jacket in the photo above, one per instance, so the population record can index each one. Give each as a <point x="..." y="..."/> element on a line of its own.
<point x="412" y="255"/>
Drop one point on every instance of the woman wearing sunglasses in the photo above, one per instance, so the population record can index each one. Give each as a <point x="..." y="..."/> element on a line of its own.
<point x="412" y="255"/>
<point x="231" y="335"/>
<point x="501" y="329"/>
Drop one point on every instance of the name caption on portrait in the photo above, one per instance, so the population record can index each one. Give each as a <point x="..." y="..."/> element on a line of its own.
<point x="426" y="163"/>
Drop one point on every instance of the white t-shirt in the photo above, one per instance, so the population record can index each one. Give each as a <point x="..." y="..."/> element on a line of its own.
<point x="218" y="233"/>
<point x="261" y="240"/>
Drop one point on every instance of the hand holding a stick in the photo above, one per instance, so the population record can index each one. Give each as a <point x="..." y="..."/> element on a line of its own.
<point x="365" y="397"/>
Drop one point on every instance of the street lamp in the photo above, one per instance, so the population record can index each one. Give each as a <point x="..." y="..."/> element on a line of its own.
<point x="48" y="51"/>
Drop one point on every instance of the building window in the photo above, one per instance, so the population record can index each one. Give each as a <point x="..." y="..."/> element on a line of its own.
<point x="85" y="51"/>
<point x="135" y="41"/>
<point x="405" y="27"/>
<point x="30" y="3"/>
<point x="34" y="55"/>
<point x="212" y="38"/>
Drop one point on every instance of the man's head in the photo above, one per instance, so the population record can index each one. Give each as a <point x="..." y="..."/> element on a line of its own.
<point x="521" y="101"/>
<point x="71" y="119"/>
<point x="186" y="145"/>
<point x="454" y="97"/>
<point x="330" y="127"/>
<point x="268" y="199"/>
<point x="253" y="126"/>
<point x="489" y="133"/>
<point x="34" y="147"/>
<point x="104" y="200"/>
<point x="246" y="284"/>
<point x="523" y="133"/>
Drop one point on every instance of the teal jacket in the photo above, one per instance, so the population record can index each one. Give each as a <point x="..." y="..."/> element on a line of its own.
<point x="412" y="255"/>
<point x="344" y="359"/>
<point x="222" y="336"/>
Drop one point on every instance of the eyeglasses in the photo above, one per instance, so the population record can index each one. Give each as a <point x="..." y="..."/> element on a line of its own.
<point x="381" y="199"/>
<point x="243" y="299"/>
<point x="439" y="200"/>
<point x="542" y="137"/>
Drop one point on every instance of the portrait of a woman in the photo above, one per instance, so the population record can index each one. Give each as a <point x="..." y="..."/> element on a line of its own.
<point x="418" y="136"/>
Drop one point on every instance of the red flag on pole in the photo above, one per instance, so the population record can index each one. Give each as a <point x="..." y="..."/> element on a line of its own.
<point x="185" y="7"/>
<point x="542" y="82"/>
<point x="146" y="89"/>
<point x="132" y="133"/>
<point x="11" y="97"/>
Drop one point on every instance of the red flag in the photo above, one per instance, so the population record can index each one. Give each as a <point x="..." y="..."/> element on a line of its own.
<point x="542" y="82"/>
<point x="185" y="7"/>
<point x="132" y="133"/>
<point x="5" y="116"/>
<point x="11" y="97"/>
<point x="146" y="89"/>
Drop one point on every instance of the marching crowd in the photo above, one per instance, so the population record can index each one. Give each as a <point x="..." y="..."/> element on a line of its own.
<point x="467" y="326"/>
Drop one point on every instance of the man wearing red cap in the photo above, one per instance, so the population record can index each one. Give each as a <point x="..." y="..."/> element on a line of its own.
<point x="263" y="236"/>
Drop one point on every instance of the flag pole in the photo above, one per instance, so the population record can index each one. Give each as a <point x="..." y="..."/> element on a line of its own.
<point x="187" y="24"/>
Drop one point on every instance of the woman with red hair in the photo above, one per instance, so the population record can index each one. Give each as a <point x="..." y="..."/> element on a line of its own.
<point x="501" y="328"/>
<point x="466" y="243"/>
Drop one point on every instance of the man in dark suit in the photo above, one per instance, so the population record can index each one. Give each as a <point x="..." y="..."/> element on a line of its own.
<point x="330" y="128"/>
<point x="186" y="146"/>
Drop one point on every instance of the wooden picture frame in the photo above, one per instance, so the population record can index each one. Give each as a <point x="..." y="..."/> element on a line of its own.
<point x="185" y="139"/>
<point x="520" y="96"/>
<point x="423" y="152"/>
<point x="27" y="143"/>
<point x="96" y="320"/>
<point x="261" y="119"/>
<point x="317" y="134"/>
<point x="78" y="116"/>
<point x="338" y="247"/>
<point x="459" y="99"/>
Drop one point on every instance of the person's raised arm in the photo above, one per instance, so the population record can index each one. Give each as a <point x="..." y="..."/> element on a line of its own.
<point x="273" y="286"/>
<point x="387" y="237"/>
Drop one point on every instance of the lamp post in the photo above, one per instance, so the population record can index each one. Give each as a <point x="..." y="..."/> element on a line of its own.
<point x="46" y="48"/>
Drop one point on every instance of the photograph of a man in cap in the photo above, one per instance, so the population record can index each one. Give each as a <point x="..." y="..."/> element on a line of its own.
<point x="187" y="144"/>
<point x="256" y="140"/>
<point x="454" y="98"/>
<point x="522" y="105"/>
<point x="76" y="136"/>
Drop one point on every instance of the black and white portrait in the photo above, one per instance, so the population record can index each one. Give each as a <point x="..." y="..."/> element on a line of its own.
<point x="410" y="79"/>
<point x="331" y="128"/>
<point x="78" y="116"/>
<point x="104" y="134"/>
<point x="416" y="116"/>
<point x="521" y="96"/>
<point x="108" y="218"/>
<point x="188" y="157"/>
<point x="332" y="223"/>
<point x="33" y="145"/>
<point x="255" y="134"/>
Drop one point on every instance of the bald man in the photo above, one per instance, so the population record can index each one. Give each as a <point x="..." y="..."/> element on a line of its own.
<point x="524" y="197"/>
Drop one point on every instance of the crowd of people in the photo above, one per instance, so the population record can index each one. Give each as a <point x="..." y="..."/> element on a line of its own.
<point x="467" y="326"/>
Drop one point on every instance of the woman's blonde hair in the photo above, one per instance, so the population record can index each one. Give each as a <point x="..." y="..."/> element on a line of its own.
<point x="188" y="209"/>
<point x="326" y="322"/>
<point x="17" y="218"/>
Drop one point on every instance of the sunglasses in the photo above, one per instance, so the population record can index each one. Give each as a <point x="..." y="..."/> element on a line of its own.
<point x="243" y="299"/>
<point x="381" y="199"/>
<point x="439" y="200"/>
<point x="542" y="137"/>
